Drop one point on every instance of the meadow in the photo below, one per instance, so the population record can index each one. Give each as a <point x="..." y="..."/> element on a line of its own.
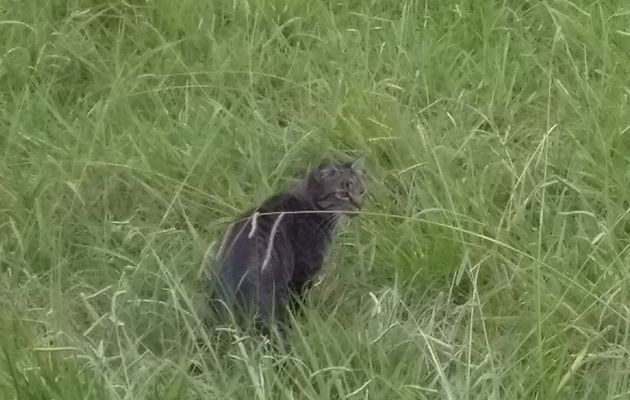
<point x="491" y="261"/>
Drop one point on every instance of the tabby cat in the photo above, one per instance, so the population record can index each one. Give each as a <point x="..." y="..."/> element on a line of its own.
<point x="272" y="252"/>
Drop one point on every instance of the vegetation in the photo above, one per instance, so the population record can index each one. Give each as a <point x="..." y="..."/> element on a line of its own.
<point x="491" y="262"/>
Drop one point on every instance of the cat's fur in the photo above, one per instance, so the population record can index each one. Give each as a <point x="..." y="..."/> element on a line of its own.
<point x="271" y="254"/>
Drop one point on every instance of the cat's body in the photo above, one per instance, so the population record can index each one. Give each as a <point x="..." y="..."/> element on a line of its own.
<point x="273" y="252"/>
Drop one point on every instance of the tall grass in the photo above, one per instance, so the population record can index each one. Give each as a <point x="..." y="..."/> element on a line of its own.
<point x="491" y="262"/>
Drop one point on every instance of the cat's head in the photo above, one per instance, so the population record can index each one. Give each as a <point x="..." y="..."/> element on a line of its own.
<point x="336" y="186"/>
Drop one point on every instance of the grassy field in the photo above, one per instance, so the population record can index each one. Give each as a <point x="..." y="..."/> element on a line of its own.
<point x="492" y="261"/>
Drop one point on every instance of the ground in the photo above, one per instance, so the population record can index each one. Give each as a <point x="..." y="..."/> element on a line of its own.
<point x="491" y="261"/>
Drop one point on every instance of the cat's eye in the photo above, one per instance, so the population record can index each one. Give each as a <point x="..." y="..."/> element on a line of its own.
<point x="327" y="172"/>
<point x="343" y="195"/>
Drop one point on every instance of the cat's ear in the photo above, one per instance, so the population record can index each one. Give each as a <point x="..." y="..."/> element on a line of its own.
<point x="357" y="162"/>
<point x="358" y="165"/>
<point x="325" y="170"/>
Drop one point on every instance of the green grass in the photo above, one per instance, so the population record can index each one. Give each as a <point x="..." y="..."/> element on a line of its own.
<point x="491" y="263"/>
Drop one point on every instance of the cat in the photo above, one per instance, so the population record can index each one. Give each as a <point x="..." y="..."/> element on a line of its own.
<point x="270" y="255"/>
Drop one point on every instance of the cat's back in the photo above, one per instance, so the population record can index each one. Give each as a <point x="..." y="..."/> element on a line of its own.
<point x="236" y="252"/>
<point x="247" y="240"/>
